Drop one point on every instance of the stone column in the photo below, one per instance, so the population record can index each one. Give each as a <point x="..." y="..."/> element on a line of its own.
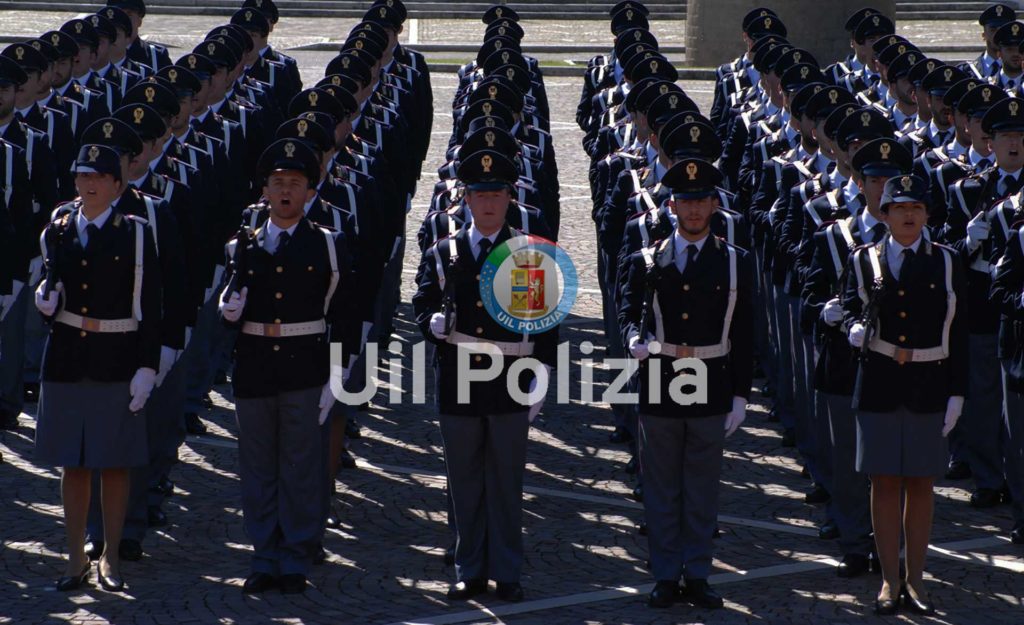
<point x="713" y="30"/>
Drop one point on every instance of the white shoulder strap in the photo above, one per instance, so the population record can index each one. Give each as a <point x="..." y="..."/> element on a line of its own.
<point x="332" y="255"/>
<point x="139" y="257"/>
<point x="151" y="217"/>
<point x="727" y="324"/>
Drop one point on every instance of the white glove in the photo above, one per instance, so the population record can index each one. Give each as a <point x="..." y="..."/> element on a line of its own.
<point x="856" y="335"/>
<point x="954" y="407"/>
<point x="140" y="388"/>
<point x="535" y="408"/>
<point x="832" y="314"/>
<point x="326" y="401"/>
<point x="977" y="231"/>
<point x="232" y="309"/>
<point x="168" y="356"/>
<point x="437" y="326"/>
<point x="736" y="416"/>
<point x="638" y="350"/>
<point x="48" y="305"/>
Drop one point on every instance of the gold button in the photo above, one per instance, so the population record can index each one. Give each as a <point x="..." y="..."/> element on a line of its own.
<point x="686" y="316"/>
<point x="278" y="295"/>
<point x="277" y="321"/>
<point x="84" y="310"/>
<point x="82" y="334"/>
<point x="85" y="263"/>
<point x="477" y="358"/>
<point x="478" y="277"/>
<point x="250" y="272"/>
<point x="901" y="292"/>
<point x="479" y="304"/>
<point x="85" y="287"/>
<point x="686" y="287"/>
<point x="903" y="339"/>
<point x="479" y="330"/>
<point x="310" y="268"/>
<point x="117" y="258"/>
<point x="903" y="315"/>
<point x="277" y="348"/>
<point x="280" y="270"/>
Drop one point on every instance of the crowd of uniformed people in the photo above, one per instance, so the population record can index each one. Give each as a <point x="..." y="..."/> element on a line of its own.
<point x="849" y="233"/>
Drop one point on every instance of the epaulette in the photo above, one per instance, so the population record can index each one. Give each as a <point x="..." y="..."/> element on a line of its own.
<point x="135" y="218"/>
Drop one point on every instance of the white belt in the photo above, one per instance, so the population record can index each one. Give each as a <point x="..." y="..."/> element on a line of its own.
<point x="903" y="355"/>
<point x="693" y="351"/>
<point x="102" y="326"/>
<point x="507" y="348"/>
<point x="275" y="330"/>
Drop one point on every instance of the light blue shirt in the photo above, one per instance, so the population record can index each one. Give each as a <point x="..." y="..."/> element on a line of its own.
<point x="680" y="244"/>
<point x="82" y="222"/>
<point x="895" y="254"/>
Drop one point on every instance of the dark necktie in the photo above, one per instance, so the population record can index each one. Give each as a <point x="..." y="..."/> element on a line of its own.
<point x="908" y="261"/>
<point x="877" y="232"/>
<point x="995" y="68"/>
<point x="282" y="242"/>
<point x="691" y="255"/>
<point x="92" y="233"/>
<point x="941" y="138"/>
<point x="982" y="165"/>
<point x="1010" y="185"/>
<point x="485" y="247"/>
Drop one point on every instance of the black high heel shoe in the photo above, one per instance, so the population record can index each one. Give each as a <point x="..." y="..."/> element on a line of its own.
<point x="917" y="606"/>
<point x="109" y="583"/>
<point x="889" y="605"/>
<point x="67" y="584"/>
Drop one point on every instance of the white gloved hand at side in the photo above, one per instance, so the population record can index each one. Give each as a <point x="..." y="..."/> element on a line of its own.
<point x="437" y="326"/>
<point x="232" y="309"/>
<point x="978" y="230"/>
<point x="638" y="349"/>
<point x="856" y="336"/>
<point x="140" y="388"/>
<point x="832" y="313"/>
<point x="954" y="407"/>
<point x="168" y="356"/>
<point x="736" y="416"/>
<point x="48" y="305"/>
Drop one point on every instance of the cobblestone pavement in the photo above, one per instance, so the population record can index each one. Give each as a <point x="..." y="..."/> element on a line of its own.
<point x="585" y="561"/>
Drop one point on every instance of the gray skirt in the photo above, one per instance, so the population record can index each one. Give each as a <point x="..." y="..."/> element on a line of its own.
<point x="904" y="443"/>
<point x="88" y="425"/>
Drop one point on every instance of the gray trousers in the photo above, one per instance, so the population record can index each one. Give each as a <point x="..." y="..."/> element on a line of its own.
<point x="764" y="339"/>
<point x="682" y="462"/>
<point x="851" y="504"/>
<point x="390" y="293"/>
<point x="1013" y="405"/>
<point x="12" y="353"/>
<point x="983" y="432"/>
<point x="624" y="415"/>
<point x="208" y="350"/>
<point x="784" y="391"/>
<point x="485" y="458"/>
<point x="280" y="459"/>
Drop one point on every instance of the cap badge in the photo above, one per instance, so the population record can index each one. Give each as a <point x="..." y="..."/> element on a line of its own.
<point x="694" y="134"/>
<point x="150" y="94"/>
<point x="492" y="91"/>
<point x="302" y="127"/>
<point x="948" y="74"/>
<point x="94" y="153"/>
<point x="211" y="48"/>
<point x="486" y="108"/>
<point x="797" y="56"/>
<point x="663" y="89"/>
<point x="673" y="100"/>
<point x="804" y="71"/>
<point x="833" y="96"/>
<point x="78" y="27"/>
<point x="19" y="52"/>
<point x="1014" y="107"/>
<point x="637" y="35"/>
<point x="55" y="39"/>
<point x="654" y="67"/>
<point x="289" y="149"/>
<point x="875" y="20"/>
<point x="907" y="183"/>
<point x="313" y="97"/>
<point x="172" y="75"/>
<point x="498" y="11"/>
<point x="345" y="62"/>
<point x="108" y="130"/>
<point x="1015" y="29"/>
<point x="884" y="150"/>
<point x="865" y="118"/>
<point x="138" y="114"/>
<point x="999" y="10"/>
<point x="629" y="15"/>
<point x="691" y="170"/>
<point x="486" y="161"/>
<point x="489" y="122"/>
<point x="986" y="95"/>
<point x="767" y="23"/>
<point x="504" y="57"/>
<point x="489" y="138"/>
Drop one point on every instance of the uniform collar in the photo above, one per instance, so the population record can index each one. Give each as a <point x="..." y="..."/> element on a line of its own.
<point x="975" y="157"/>
<point x="851" y="191"/>
<point x="679" y="244"/>
<point x="273" y="232"/>
<point x="896" y="249"/>
<point x="867" y="220"/>
<point x="81" y="222"/>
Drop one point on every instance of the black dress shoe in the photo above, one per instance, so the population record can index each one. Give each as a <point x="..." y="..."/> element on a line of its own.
<point x="852" y="565"/>
<point x="665" y="593"/>
<point x="259" y="582"/>
<point x="985" y="498"/>
<point x="155" y="517"/>
<point x="333" y="519"/>
<point x="958" y="470"/>
<point x="319" y="556"/>
<point x="130" y="550"/>
<point x="818" y="495"/>
<point x="886" y="607"/>
<point x="164" y="487"/>
<point x="789" y="438"/>
<point x="194" y="425"/>
<point x="620" y="436"/>
<point x="773" y="414"/>
<point x="804" y="473"/>
<point x="828" y="531"/>
<point x="94" y="549"/>
<point x="110" y="583"/>
<point x="292" y="584"/>
<point x="31" y="392"/>
<point x="1017" y="535"/>
<point x="917" y="606"/>
<point x="347" y="460"/>
<point x="509" y="591"/>
<point x="467" y="589"/>
<point x="449" y="556"/>
<point x="701" y="594"/>
<point x="638" y="493"/>
<point x="352" y="430"/>
<point x="641" y="528"/>
<point x="632" y="465"/>
<point x="67" y="584"/>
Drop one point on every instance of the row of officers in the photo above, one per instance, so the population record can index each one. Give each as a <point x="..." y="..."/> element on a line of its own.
<point x="877" y="202"/>
<point x="213" y="210"/>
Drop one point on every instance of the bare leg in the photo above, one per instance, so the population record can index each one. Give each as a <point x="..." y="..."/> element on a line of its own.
<point x="917" y="527"/>
<point x="115" y="484"/>
<point x="885" y="516"/>
<point x="75" y="489"/>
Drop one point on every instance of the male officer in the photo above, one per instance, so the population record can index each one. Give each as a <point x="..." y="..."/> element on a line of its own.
<point x="484" y="438"/>
<point x="298" y="276"/>
<point x="691" y="293"/>
<point x="1008" y="38"/>
<point x="988" y="64"/>
<point x="140" y="51"/>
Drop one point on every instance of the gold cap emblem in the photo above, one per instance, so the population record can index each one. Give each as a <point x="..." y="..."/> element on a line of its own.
<point x="907" y="183"/>
<point x="486" y="108"/>
<point x="289" y="149"/>
<point x="108" y="130"/>
<point x="150" y="94"/>
<point x="302" y="127"/>
<point x="94" y="153"/>
<point x="492" y="91"/>
<point x="486" y="161"/>
<point x="19" y="52"/>
<point x="865" y="118"/>
<point x="489" y="138"/>
<point x="313" y="98"/>
<point x="138" y="114"/>
<point x="694" y="134"/>
<point x="691" y="170"/>
<point x="833" y="96"/>
<point x="884" y="150"/>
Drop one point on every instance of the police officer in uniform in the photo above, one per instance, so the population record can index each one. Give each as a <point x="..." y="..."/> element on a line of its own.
<point x="691" y="294"/>
<point x="290" y="291"/>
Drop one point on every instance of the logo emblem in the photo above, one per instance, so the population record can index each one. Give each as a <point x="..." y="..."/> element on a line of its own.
<point x="486" y="108"/>
<point x="796" y="57"/>
<point x="172" y="75"/>
<point x="94" y="153"/>
<point x="694" y="134"/>
<point x="35" y="44"/>
<point x="691" y="171"/>
<point x="383" y="12"/>
<point x="289" y="149"/>
<point x="489" y="122"/>
<point x="1015" y="29"/>
<point x="1014" y="107"/>
<point x="913" y="59"/>
<point x="999" y="10"/>
<point x="108" y="130"/>
<point x="663" y="89"/>
<point x="907" y="183"/>
<point x="948" y="74"/>
<point x="986" y="95"/>
<point x="492" y="91"/>
<point x="767" y="23"/>
<point x="654" y="67"/>
<point x="55" y="39"/>
<point x="528" y="284"/>
<point x="138" y="114"/>
<point x="150" y="94"/>
<point x="489" y="138"/>
<point x="504" y="57"/>
<point x="804" y="71"/>
<point x="833" y="96"/>
<point x="19" y="52"/>
<point x="875" y="20"/>
<point x="884" y="150"/>
<point x="498" y="12"/>
<point x="673" y="100"/>
<point x="192" y="61"/>
<point x="486" y="162"/>
<point x="248" y="16"/>
<point x="211" y="48"/>
<point x="637" y="35"/>
<point x="629" y="15"/>
<point x="865" y="118"/>
<point x="511" y="73"/>
<point x="313" y="97"/>
<point x="497" y="44"/>
<point x="302" y="127"/>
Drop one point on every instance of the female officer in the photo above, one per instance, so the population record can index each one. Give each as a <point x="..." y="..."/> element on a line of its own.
<point x="102" y="295"/>
<point x="905" y="310"/>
